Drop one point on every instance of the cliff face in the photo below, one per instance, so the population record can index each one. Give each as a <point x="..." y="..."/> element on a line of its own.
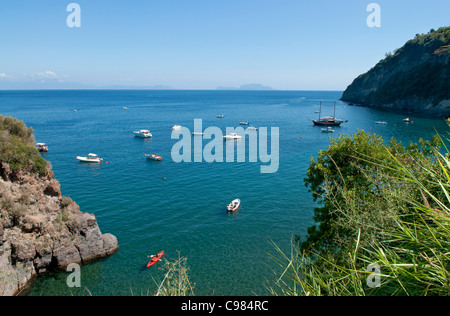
<point x="39" y="228"/>
<point x="416" y="78"/>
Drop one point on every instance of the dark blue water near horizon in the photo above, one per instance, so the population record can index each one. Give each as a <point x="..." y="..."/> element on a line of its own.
<point x="180" y="207"/>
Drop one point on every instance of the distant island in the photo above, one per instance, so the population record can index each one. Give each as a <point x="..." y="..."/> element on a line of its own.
<point x="251" y="86"/>
<point x="412" y="79"/>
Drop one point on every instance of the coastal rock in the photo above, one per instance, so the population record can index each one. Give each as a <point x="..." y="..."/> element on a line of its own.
<point x="109" y="243"/>
<point x="413" y="79"/>
<point x="41" y="230"/>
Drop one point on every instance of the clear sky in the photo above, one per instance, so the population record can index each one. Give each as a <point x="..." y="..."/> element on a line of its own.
<point x="203" y="44"/>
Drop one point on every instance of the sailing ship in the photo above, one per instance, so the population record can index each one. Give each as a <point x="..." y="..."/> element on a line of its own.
<point x="328" y="120"/>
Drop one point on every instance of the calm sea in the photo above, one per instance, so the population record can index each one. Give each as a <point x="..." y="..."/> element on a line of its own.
<point x="180" y="207"/>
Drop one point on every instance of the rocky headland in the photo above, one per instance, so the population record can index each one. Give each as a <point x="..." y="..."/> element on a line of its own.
<point x="413" y="79"/>
<point x="40" y="229"/>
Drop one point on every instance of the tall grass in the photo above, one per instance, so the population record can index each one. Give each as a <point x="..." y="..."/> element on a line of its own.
<point x="404" y="233"/>
<point x="176" y="280"/>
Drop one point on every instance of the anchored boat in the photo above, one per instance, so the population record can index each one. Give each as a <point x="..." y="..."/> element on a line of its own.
<point x="327" y="130"/>
<point x="153" y="157"/>
<point x="328" y="120"/>
<point x="92" y="158"/>
<point x="143" y="133"/>
<point x="232" y="136"/>
<point x="42" y="147"/>
<point x="234" y="205"/>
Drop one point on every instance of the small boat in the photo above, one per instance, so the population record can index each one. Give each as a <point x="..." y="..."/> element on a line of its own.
<point x="234" y="205"/>
<point x="220" y="116"/>
<point x="380" y="122"/>
<point x="407" y="120"/>
<point x="176" y="127"/>
<point x="252" y="128"/>
<point x="153" y="157"/>
<point x="198" y="133"/>
<point x="327" y="130"/>
<point x="125" y="108"/>
<point x="42" y="147"/>
<point x="90" y="158"/>
<point x="243" y="123"/>
<point x="74" y="110"/>
<point x="143" y="133"/>
<point x="155" y="259"/>
<point x="232" y="136"/>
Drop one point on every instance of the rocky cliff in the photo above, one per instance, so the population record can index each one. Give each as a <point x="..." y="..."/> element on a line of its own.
<point x="39" y="228"/>
<point x="413" y="79"/>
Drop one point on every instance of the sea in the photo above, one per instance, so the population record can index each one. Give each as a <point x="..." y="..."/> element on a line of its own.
<point x="180" y="207"/>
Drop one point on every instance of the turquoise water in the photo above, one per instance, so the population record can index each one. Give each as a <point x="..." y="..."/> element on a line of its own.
<point x="228" y="254"/>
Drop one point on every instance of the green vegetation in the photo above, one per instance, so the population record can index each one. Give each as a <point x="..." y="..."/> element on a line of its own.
<point x="380" y="205"/>
<point x="17" y="146"/>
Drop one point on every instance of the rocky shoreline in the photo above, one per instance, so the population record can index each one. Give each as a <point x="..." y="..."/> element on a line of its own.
<point x="42" y="230"/>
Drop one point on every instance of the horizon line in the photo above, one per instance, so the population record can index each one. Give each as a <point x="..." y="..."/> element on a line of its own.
<point x="168" y="89"/>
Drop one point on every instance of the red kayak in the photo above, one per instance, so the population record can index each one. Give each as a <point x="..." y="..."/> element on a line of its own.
<point x="155" y="259"/>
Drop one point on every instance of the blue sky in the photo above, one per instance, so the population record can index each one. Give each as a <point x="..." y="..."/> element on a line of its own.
<point x="199" y="44"/>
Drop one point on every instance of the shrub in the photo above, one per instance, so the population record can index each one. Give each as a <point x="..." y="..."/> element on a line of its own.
<point x="16" y="146"/>
<point x="390" y="209"/>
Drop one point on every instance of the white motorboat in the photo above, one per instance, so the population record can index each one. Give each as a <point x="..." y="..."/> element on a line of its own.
<point x="153" y="157"/>
<point x="176" y="127"/>
<point x="143" y="133"/>
<point x="407" y="120"/>
<point x="252" y="128"/>
<point x="125" y="108"/>
<point x="220" y="116"/>
<point x="327" y="130"/>
<point x="232" y="136"/>
<point x="234" y="205"/>
<point x="93" y="158"/>
<point x="380" y="122"/>
<point x="243" y="123"/>
<point x="42" y="147"/>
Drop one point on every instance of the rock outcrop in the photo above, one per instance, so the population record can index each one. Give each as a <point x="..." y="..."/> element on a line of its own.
<point x="413" y="79"/>
<point x="42" y="230"/>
